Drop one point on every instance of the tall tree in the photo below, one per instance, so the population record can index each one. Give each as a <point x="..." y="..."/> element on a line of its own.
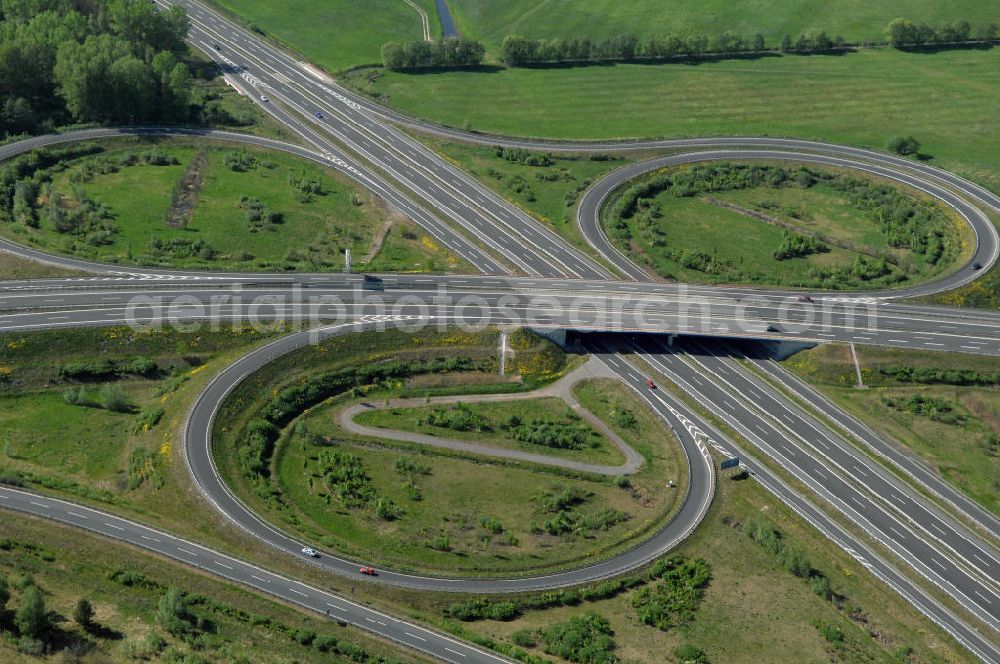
<point x="31" y="618"/>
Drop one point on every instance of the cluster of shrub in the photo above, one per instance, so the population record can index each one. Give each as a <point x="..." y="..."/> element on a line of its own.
<point x="583" y="639"/>
<point x="107" y="369"/>
<point x="86" y="218"/>
<point x="256" y="443"/>
<point x="904" y="33"/>
<point x="400" y="56"/>
<point x="707" y="178"/>
<point x="795" y="245"/>
<point x="22" y="178"/>
<point x="559" y="435"/>
<point x="932" y="408"/>
<point x="482" y="608"/>
<point x="110" y="397"/>
<point x="259" y="215"/>
<point x="142" y="468"/>
<point x="791" y="558"/>
<point x="933" y="375"/>
<point x="523" y="157"/>
<point x="672" y="600"/>
<point x="239" y="161"/>
<point x="306" y="188"/>
<point x="412" y="470"/>
<point x="458" y="417"/>
<point x="36" y="631"/>
<point x="904" y="221"/>
<point x="181" y="247"/>
<point x="559" y="514"/>
<point x="344" y="474"/>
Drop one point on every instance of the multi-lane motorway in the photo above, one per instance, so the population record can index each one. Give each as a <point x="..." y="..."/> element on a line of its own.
<point x="533" y="277"/>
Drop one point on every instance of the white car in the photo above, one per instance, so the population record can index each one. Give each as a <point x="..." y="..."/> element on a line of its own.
<point x="264" y="98"/>
<point x="310" y="552"/>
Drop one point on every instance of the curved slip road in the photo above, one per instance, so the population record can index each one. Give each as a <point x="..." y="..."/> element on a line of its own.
<point x="198" y="453"/>
<point x="987" y="240"/>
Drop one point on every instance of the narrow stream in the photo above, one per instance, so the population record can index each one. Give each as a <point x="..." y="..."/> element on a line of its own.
<point x="447" y="23"/>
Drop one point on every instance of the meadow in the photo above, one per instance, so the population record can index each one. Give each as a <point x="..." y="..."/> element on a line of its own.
<point x="855" y="20"/>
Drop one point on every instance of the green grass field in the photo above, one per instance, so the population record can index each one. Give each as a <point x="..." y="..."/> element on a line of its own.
<point x="457" y="492"/>
<point x="445" y="531"/>
<point x="548" y="409"/>
<point x="946" y="100"/>
<point x="310" y="235"/>
<point x="67" y="564"/>
<point x="335" y="34"/>
<point x="743" y="244"/>
<point x="855" y="20"/>
<point x="964" y="453"/>
<point x="108" y="457"/>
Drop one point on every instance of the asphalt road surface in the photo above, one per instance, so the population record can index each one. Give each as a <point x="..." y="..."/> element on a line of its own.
<point x="563" y="289"/>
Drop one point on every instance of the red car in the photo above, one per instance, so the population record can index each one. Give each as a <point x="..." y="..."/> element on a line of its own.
<point x="650" y="384"/>
<point x="370" y="571"/>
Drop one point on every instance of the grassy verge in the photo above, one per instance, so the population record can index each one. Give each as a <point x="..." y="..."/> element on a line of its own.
<point x="753" y="608"/>
<point x="633" y="420"/>
<point x="15" y="267"/>
<point x="503" y="424"/>
<point x="124" y="588"/>
<point x="944" y="407"/>
<point x="783" y="225"/>
<point x="210" y="205"/>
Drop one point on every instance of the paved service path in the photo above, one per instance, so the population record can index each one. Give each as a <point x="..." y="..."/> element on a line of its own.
<point x="561" y="389"/>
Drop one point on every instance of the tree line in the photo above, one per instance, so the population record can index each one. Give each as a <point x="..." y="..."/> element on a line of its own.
<point x="516" y="51"/>
<point x="519" y="51"/>
<point x="400" y="56"/>
<point x="100" y="61"/>
<point x="904" y="33"/>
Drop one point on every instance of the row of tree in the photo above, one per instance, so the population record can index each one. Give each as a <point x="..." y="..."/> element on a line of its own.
<point x="423" y="54"/>
<point x="519" y="51"/>
<point x="904" y="33"/>
<point x="97" y="61"/>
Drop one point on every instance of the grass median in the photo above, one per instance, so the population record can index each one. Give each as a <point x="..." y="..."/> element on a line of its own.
<point x="943" y="406"/>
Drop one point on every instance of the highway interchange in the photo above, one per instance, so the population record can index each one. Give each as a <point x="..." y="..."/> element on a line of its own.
<point x="532" y="277"/>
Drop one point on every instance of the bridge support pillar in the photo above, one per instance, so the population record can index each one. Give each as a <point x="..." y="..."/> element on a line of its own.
<point x="555" y="335"/>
